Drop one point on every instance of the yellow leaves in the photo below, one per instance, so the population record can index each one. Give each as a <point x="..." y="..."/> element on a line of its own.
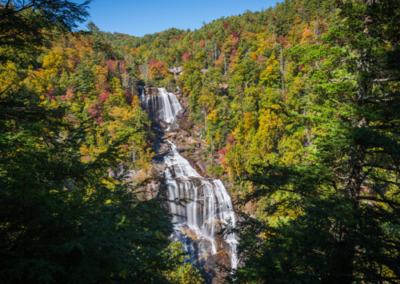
<point x="89" y="153"/>
<point x="213" y="116"/>
<point x="9" y="77"/>
<point x="199" y="56"/>
<point x="146" y="54"/>
<point x="271" y="74"/>
<point x="42" y="80"/>
<point x="135" y="101"/>
<point x="254" y="55"/>
<point x="270" y="125"/>
<point x="291" y="148"/>
<point x="115" y="85"/>
<point x="122" y="113"/>
<point x="53" y="60"/>
<point x="244" y="127"/>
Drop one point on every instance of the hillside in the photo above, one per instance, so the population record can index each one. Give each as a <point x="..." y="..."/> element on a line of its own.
<point x="107" y="179"/>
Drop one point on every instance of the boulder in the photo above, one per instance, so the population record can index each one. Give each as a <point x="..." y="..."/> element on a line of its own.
<point x="170" y="135"/>
<point x="185" y="124"/>
<point x="213" y="266"/>
<point x="184" y="133"/>
<point x="151" y="90"/>
<point x="202" y="166"/>
<point x="163" y="124"/>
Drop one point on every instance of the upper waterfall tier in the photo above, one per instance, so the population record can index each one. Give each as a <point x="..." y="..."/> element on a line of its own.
<point x="163" y="105"/>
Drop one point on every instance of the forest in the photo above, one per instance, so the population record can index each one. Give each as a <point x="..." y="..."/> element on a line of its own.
<point x="298" y="106"/>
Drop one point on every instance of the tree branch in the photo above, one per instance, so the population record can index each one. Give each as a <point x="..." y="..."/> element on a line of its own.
<point x="379" y="200"/>
<point x="387" y="80"/>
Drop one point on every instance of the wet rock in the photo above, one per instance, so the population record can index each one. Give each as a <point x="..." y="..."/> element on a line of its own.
<point x="163" y="124"/>
<point x="181" y="113"/>
<point x="170" y="135"/>
<point x="172" y="170"/>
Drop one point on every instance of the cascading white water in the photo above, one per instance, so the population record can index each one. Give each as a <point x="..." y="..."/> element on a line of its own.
<point x="210" y="209"/>
<point x="163" y="105"/>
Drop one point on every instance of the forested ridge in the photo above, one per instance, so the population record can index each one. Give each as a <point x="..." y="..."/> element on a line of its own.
<point x="299" y="107"/>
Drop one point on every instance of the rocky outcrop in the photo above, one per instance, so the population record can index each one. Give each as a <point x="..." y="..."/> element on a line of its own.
<point x="214" y="267"/>
<point x="151" y="90"/>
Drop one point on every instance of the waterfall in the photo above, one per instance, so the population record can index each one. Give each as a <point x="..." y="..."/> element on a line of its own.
<point x="208" y="209"/>
<point x="163" y="105"/>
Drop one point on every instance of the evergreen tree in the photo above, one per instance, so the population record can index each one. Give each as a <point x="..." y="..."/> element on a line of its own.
<point x="343" y="202"/>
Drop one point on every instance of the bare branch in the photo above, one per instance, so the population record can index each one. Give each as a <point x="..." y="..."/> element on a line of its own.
<point x="378" y="200"/>
<point x="387" y="80"/>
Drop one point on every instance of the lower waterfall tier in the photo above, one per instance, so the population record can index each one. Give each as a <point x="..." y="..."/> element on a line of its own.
<point x="208" y="210"/>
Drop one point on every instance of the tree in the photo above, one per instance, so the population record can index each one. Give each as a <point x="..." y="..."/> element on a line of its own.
<point x="64" y="219"/>
<point x="345" y="195"/>
<point x="184" y="272"/>
<point x="26" y="25"/>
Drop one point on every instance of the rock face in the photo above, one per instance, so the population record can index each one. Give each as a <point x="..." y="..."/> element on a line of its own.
<point x="202" y="166"/>
<point x="150" y="90"/>
<point x="212" y="267"/>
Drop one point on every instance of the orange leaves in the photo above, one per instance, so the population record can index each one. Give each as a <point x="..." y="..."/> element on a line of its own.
<point x="158" y="70"/>
<point x="307" y="37"/>
<point x="101" y="79"/>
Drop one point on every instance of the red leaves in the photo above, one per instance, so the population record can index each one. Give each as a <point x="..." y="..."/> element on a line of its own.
<point x="128" y="96"/>
<point x="95" y="111"/>
<point x="236" y="35"/>
<point x="104" y="97"/>
<point x="231" y="138"/>
<point x="282" y="40"/>
<point x="70" y="95"/>
<point x="202" y="43"/>
<point x="112" y="66"/>
<point x="176" y="37"/>
<point x="186" y="57"/>
<point x="223" y="151"/>
<point x="50" y="95"/>
<point x="226" y="26"/>
<point x="152" y="62"/>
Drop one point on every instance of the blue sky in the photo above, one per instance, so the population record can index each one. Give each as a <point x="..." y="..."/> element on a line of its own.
<point x="142" y="17"/>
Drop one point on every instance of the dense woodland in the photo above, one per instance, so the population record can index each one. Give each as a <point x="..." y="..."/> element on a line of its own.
<point x="300" y="103"/>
